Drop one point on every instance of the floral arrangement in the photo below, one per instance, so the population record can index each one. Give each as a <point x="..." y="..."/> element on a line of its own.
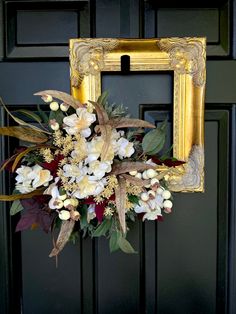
<point x="86" y="168"/>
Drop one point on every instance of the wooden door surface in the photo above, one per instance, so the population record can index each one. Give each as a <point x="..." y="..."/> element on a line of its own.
<point x="185" y="264"/>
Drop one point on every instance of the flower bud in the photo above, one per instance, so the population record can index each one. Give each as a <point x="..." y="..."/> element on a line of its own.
<point x="167" y="204"/>
<point x="64" y="107"/>
<point x="55" y="126"/>
<point x="67" y="203"/>
<point x="54" y="106"/>
<point x="62" y="197"/>
<point x="151" y="194"/>
<point x="47" y="98"/>
<point x="144" y="175"/>
<point x="154" y="181"/>
<point x="144" y="196"/>
<point x="133" y="173"/>
<point x="74" y="202"/>
<point x="151" y="173"/>
<point x="167" y="210"/>
<point x="166" y="194"/>
<point x="64" y="215"/>
<point x="75" y="215"/>
<point x="138" y="175"/>
<point x="159" y="191"/>
<point x="58" y="204"/>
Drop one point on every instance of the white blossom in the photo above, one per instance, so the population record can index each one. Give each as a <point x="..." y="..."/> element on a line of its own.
<point x="29" y="179"/>
<point x="89" y="186"/>
<point x="124" y="148"/>
<point x="75" y="172"/>
<point x="55" y="202"/>
<point x="153" y="215"/>
<point x="99" y="168"/>
<point x="79" y="122"/>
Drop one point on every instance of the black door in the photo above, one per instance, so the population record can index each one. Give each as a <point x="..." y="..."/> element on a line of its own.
<point x="185" y="264"/>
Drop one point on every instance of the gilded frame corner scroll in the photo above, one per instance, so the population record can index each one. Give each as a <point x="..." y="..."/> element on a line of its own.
<point x="186" y="57"/>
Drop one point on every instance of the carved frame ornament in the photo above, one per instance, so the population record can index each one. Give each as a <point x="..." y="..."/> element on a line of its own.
<point x="186" y="57"/>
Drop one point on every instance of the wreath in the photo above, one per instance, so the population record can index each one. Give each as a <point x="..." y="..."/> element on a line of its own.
<point x="86" y="168"/>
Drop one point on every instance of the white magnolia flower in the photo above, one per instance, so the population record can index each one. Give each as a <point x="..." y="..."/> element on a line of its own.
<point x="80" y="148"/>
<point x="91" y="212"/>
<point x="153" y="215"/>
<point x="117" y="134"/>
<point x="89" y="186"/>
<point x="29" y="179"/>
<point x="74" y="172"/>
<point x="99" y="168"/>
<point x="100" y="186"/>
<point x="79" y="122"/>
<point x="151" y="208"/>
<point x="23" y="182"/>
<point x="94" y="149"/>
<point x="156" y="203"/>
<point x="55" y="202"/>
<point x="124" y="148"/>
<point x="24" y="187"/>
<point x="40" y="176"/>
<point x="142" y="207"/>
<point x="48" y="191"/>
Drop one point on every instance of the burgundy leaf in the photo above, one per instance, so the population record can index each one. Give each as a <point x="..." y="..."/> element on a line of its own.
<point x="42" y="199"/>
<point x="89" y="201"/>
<point x="99" y="210"/>
<point x="31" y="204"/>
<point x="53" y="165"/>
<point x="156" y="160"/>
<point x="26" y="221"/>
<point x="139" y="137"/>
<point x="169" y="162"/>
<point x="160" y="218"/>
<point x="173" y="163"/>
<point x="45" y="219"/>
<point x="36" y="212"/>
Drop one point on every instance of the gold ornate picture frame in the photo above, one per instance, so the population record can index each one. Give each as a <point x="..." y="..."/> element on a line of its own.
<point x="186" y="57"/>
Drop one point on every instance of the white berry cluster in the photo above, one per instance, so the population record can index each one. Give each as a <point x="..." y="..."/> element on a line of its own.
<point x="154" y="198"/>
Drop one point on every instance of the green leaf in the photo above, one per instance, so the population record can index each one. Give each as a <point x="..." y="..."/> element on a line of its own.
<point x="163" y="125"/>
<point x="83" y="219"/>
<point x="133" y="199"/>
<point x="74" y="237"/>
<point x="154" y="140"/>
<point x="57" y="115"/>
<point x="166" y="154"/>
<point x="43" y="115"/>
<point x="159" y="147"/>
<point x="30" y="114"/>
<point x="102" y="228"/>
<point x="103" y="98"/>
<point x="125" y="246"/>
<point x="131" y="215"/>
<point x="57" y="223"/>
<point x="16" y="207"/>
<point x="114" y="241"/>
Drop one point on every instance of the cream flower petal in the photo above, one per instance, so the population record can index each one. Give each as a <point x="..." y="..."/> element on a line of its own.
<point x="152" y="215"/>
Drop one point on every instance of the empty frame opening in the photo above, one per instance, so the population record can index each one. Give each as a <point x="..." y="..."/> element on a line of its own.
<point x="148" y="96"/>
